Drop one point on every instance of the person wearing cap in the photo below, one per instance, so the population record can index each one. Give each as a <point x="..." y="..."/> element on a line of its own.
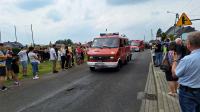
<point x="3" y="58"/>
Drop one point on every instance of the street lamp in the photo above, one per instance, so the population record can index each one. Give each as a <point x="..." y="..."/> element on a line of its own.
<point x="176" y="18"/>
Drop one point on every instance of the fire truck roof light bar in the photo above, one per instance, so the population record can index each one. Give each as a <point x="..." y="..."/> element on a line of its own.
<point x="108" y="34"/>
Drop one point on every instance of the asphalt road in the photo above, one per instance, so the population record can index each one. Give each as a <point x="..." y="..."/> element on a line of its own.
<point x="80" y="90"/>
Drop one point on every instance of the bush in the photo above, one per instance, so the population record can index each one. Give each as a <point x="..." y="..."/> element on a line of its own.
<point x="16" y="50"/>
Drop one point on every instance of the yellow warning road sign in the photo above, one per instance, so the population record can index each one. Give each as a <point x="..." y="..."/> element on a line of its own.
<point x="184" y="20"/>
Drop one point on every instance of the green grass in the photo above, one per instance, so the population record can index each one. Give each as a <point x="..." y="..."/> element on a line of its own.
<point x="44" y="68"/>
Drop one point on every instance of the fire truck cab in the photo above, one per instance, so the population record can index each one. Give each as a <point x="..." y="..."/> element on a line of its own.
<point x="109" y="50"/>
<point x="137" y="45"/>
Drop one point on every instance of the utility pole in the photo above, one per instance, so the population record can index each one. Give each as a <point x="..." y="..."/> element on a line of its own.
<point x="0" y="36"/>
<point x="15" y="32"/>
<point x="151" y="34"/>
<point x="32" y="35"/>
<point x="144" y="38"/>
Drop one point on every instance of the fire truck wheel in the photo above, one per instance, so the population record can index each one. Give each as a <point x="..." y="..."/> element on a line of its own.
<point x="126" y="61"/>
<point x="130" y="57"/>
<point x="92" y="68"/>
<point x="119" y="66"/>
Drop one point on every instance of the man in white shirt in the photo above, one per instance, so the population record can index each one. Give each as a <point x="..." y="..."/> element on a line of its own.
<point x="53" y="58"/>
<point x="23" y="60"/>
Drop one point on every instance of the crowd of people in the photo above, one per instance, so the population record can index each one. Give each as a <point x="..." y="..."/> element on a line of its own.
<point x="180" y="62"/>
<point x="10" y="62"/>
<point x="164" y="53"/>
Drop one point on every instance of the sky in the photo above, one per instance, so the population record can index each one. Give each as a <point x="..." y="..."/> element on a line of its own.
<point x="82" y="20"/>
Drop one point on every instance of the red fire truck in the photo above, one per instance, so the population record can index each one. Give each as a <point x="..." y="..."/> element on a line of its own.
<point x="109" y="50"/>
<point x="137" y="45"/>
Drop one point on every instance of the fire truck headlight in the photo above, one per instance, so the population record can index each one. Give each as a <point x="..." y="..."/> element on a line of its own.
<point x="112" y="57"/>
<point x="91" y="57"/>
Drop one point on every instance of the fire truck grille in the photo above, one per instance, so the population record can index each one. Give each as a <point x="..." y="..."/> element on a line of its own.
<point x="101" y="58"/>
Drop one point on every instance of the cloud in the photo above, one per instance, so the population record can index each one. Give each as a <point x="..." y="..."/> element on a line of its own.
<point x="125" y="2"/>
<point x="54" y="15"/>
<point x="81" y="20"/>
<point x="155" y="13"/>
<point x="33" y="4"/>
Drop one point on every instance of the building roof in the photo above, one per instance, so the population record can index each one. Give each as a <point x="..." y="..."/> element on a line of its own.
<point x="179" y="30"/>
<point x="13" y="44"/>
<point x="170" y="31"/>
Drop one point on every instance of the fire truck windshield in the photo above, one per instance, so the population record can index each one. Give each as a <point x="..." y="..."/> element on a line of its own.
<point x="105" y="43"/>
<point x="134" y="43"/>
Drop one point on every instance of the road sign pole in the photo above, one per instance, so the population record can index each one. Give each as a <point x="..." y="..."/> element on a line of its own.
<point x="177" y="17"/>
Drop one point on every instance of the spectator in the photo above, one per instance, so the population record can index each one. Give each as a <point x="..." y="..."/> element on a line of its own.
<point x="34" y="62"/>
<point x="73" y="53"/>
<point x="158" y="53"/>
<point x="46" y="54"/>
<point x="63" y="58"/>
<point x="53" y="58"/>
<point x="23" y="60"/>
<point x="153" y="53"/>
<point x="41" y="54"/>
<point x="2" y="68"/>
<point x="188" y="72"/>
<point x="68" y="56"/>
<point x="59" y="57"/>
<point x="82" y="54"/>
<point x="180" y="48"/>
<point x="78" y="54"/>
<point x="15" y="69"/>
<point x="172" y="82"/>
<point x="9" y="54"/>
<point x="165" y="46"/>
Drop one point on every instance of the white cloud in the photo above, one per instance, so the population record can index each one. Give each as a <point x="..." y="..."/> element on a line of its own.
<point x="81" y="20"/>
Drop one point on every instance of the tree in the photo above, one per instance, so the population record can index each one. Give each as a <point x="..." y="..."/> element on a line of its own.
<point x="66" y="42"/>
<point x="69" y="41"/>
<point x="159" y="33"/>
<point x="163" y="36"/>
<point x="171" y="36"/>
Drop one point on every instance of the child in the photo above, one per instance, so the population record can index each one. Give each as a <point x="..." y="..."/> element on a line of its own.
<point x="15" y="69"/>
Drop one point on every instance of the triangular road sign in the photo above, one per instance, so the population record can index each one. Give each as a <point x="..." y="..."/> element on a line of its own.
<point x="183" y="20"/>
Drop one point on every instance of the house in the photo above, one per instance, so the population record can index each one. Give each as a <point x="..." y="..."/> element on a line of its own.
<point x="178" y="31"/>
